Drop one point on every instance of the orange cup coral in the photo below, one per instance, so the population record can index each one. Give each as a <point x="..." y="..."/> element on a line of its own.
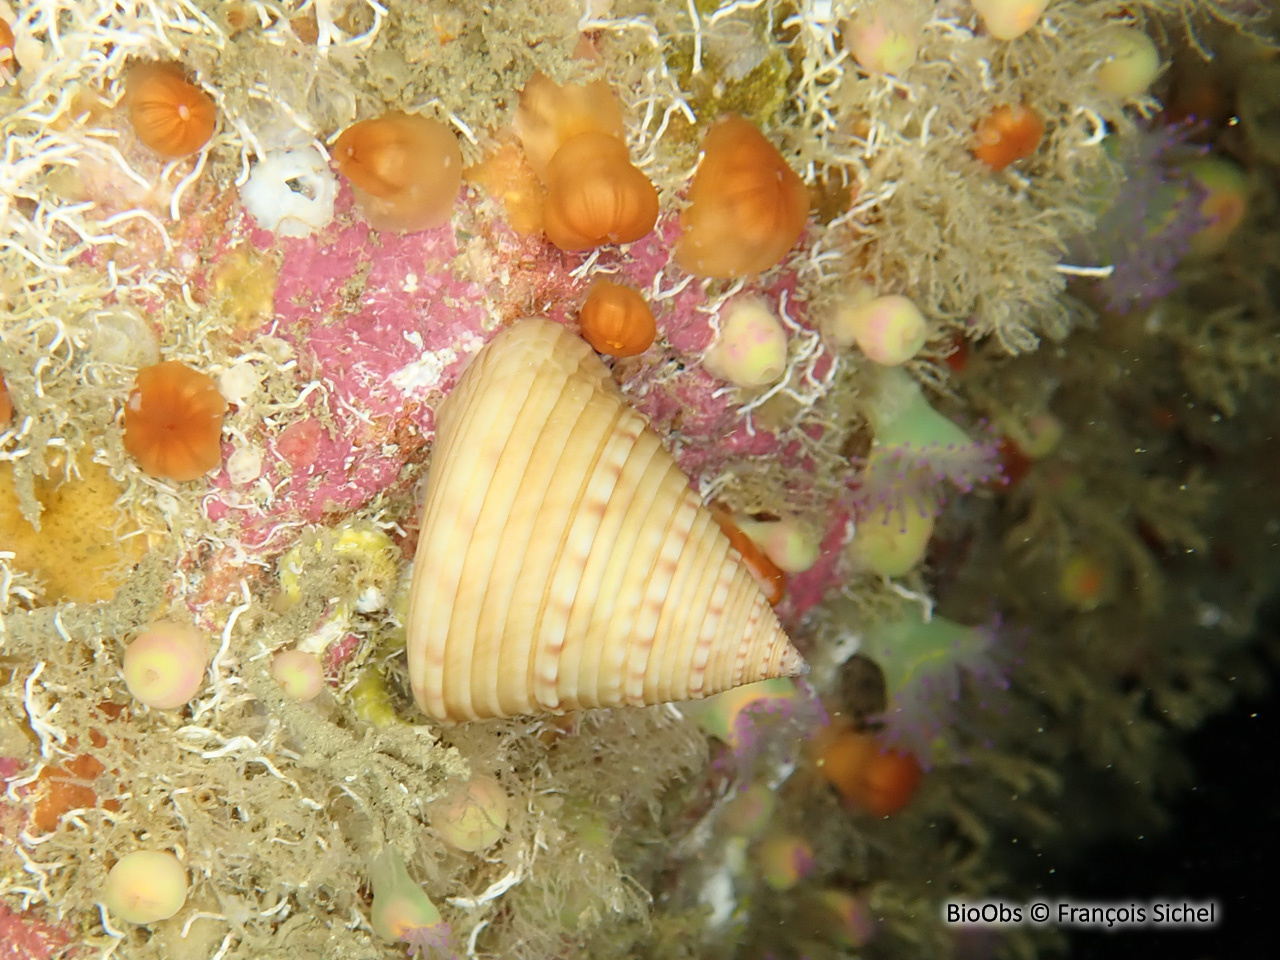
<point x="574" y="141"/>
<point x="6" y="402"/>
<point x="169" y="113"/>
<point x="173" y="421"/>
<point x="405" y="169"/>
<point x="616" y="320"/>
<point x="1007" y="134"/>
<point x="550" y="115"/>
<point x="867" y="776"/>
<point x="595" y="196"/>
<point x="747" y="208"/>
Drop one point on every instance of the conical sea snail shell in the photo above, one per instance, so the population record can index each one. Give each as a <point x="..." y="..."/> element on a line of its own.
<point x="564" y="562"/>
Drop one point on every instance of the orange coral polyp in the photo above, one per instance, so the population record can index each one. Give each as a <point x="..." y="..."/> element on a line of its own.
<point x="66" y="786"/>
<point x="595" y="196"/>
<point x="866" y="775"/>
<point x="747" y="208"/>
<point x="173" y="421"/>
<point x="616" y="320"/>
<point x="6" y="402"/>
<point x="169" y="113"/>
<point x="405" y="170"/>
<point x="549" y="115"/>
<point x="1007" y="134"/>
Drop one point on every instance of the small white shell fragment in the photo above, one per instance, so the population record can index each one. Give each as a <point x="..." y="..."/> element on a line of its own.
<point x="564" y="562"/>
<point x="424" y="373"/>
<point x="244" y="465"/>
<point x="371" y="599"/>
<point x="238" y="382"/>
<point x="291" y="192"/>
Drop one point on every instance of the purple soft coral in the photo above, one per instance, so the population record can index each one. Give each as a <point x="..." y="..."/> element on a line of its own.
<point x="1147" y="228"/>
<point x="925" y="665"/>
<point x="917" y="452"/>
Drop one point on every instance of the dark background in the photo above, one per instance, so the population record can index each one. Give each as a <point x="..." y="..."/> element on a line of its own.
<point x="1224" y="845"/>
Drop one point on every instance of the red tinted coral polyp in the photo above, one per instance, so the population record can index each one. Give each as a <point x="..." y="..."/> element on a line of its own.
<point x="173" y="421"/>
<point x="1006" y="135"/>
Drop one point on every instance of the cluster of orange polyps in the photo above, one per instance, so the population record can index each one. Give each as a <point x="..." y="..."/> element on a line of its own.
<point x="747" y="207"/>
<point x="173" y="417"/>
<point x="591" y="195"/>
<point x="573" y="137"/>
<point x="559" y="538"/>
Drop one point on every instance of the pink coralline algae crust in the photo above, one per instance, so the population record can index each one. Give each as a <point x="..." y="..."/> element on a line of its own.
<point x="26" y="937"/>
<point x="683" y="401"/>
<point x="202" y="223"/>
<point x="705" y="431"/>
<point x="337" y="654"/>
<point x="299" y="443"/>
<point x="385" y="325"/>
<point x="687" y="329"/>
<point x="410" y="304"/>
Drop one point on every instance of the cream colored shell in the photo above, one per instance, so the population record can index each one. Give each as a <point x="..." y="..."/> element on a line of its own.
<point x="563" y="560"/>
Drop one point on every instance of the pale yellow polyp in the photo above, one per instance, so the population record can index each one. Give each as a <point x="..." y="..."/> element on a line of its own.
<point x="1010" y="19"/>
<point x="564" y="562"/>
<point x="472" y="816"/>
<point x="146" y="886"/>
